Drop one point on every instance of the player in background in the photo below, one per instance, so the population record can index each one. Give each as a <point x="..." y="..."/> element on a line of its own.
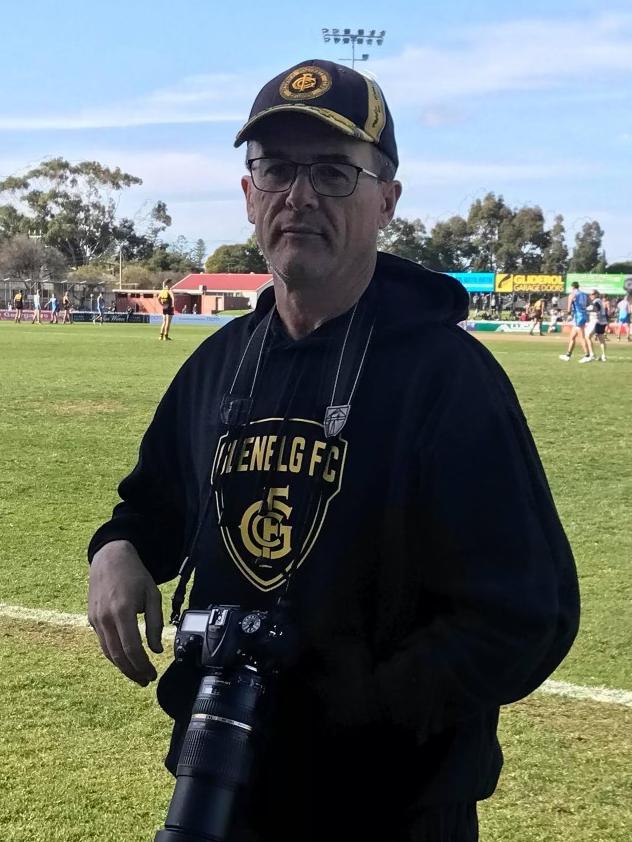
<point x="555" y="316"/>
<point x="37" y="307"/>
<point x="537" y="316"/>
<point x="53" y="303"/>
<point x="623" y="317"/>
<point x="66" y="305"/>
<point x="597" y="323"/>
<point x="100" y="309"/>
<point x="18" y="303"/>
<point x="578" y="315"/>
<point x="165" y="298"/>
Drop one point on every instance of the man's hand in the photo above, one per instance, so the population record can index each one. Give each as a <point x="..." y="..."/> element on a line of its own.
<point x="120" y="588"/>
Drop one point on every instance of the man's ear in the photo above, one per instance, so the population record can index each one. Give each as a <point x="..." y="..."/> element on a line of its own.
<point x="391" y="191"/>
<point x="246" y="186"/>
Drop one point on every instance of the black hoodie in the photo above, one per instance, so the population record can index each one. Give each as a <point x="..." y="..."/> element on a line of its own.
<point x="418" y="620"/>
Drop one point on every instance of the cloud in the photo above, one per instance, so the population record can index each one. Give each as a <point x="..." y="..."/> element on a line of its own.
<point x="514" y="56"/>
<point x="418" y="173"/>
<point x="211" y="98"/>
<point x="521" y="55"/>
<point x="437" y="116"/>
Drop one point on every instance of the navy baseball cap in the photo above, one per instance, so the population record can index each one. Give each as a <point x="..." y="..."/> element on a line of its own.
<point x="339" y="96"/>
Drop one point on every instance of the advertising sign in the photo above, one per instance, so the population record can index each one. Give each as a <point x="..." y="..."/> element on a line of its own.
<point x="507" y="283"/>
<point x="606" y="284"/>
<point x="123" y="318"/>
<point x="475" y="281"/>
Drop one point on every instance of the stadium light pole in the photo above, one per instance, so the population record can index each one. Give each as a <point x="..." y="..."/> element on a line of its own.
<point x="361" y="36"/>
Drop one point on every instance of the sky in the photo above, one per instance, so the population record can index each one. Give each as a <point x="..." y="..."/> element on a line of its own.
<point x="532" y="101"/>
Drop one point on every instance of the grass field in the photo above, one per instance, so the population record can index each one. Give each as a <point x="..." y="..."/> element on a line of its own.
<point x="81" y="747"/>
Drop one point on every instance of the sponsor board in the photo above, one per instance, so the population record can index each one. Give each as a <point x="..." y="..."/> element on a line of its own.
<point x="116" y="318"/>
<point x="508" y="283"/>
<point x="606" y="284"/>
<point x="475" y="281"/>
<point x="190" y="319"/>
<point x="497" y="326"/>
<point x="77" y="316"/>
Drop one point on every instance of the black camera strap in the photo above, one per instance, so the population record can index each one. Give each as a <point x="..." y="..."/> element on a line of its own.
<point x="235" y="413"/>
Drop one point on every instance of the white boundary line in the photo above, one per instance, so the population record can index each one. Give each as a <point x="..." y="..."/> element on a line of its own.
<point x="604" y="695"/>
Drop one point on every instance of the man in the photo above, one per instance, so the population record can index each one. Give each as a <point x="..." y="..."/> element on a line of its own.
<point x="66" y="305"/>
<point x="339" y="450"/>
<point x="538" y="315"/>
<point x="100" y="314"/>
<point x="18" y="303"/>
<point x="578" y="316"/>
<point x="53" y="303"/>
<point x="554" y="319"/>
<point x="623" y="318"/>
<point x="37" y="307"/>
<point x="597" y="323"/>
<point x="165" y="299"/>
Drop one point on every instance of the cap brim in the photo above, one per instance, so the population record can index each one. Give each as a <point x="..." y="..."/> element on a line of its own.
<point x="331" y="118"/>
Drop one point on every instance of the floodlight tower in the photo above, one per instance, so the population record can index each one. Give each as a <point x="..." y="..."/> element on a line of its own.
<point x="360" y="37"/>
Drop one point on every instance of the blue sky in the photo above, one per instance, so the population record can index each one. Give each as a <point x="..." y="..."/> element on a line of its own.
<point x="532" y="101"/>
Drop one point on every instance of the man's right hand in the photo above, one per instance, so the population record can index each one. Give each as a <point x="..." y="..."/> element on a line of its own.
<point x="120" y="588"/>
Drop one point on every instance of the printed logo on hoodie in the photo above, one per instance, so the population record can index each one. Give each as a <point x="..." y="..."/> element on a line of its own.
<point x="273" y="486"/>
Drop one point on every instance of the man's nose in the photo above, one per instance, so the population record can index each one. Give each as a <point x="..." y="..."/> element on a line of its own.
<point x="302" y="194"/>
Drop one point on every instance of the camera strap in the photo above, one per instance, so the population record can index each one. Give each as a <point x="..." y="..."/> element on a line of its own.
<point x="235" y="413"/>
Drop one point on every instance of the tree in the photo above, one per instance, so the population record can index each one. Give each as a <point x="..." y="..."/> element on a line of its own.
<point x="181" y="247"/>
<point x="72" y="207"/>
<point x="27" y="259"/>
<point x="135" y="275"/>
<point x="85" y="281"/>
<point x="164" y="259"/>
<point x="198" y="254"/>
<point x="237" y="257"/>
<point x="404" y="238"/>
<point x="555" y="257"/>
<point x="522" y="241"/>
<point x="588" y="255"/>
<point x="448" y="249"/>
<point x="484" y="223"/>
<point x="623" y="267"/>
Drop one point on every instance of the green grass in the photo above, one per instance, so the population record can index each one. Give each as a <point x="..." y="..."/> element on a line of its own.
<point x="82" y="748"/>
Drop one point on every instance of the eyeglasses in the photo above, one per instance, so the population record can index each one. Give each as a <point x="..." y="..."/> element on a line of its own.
<point x="276" y="175"/>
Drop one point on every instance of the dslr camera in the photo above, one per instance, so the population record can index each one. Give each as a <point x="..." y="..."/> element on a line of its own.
<point x="237" y="652"/>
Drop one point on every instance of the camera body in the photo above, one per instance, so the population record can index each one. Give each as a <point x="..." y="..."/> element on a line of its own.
<point x="237" y="652"/>
<point x="226" y="637"/>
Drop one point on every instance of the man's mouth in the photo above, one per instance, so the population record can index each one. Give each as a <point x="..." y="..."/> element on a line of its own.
<point x="298" y="229"/>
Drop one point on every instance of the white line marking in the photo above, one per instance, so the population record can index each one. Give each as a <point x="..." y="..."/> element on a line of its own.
<point x="591" y="694"/>
<point x="605" y="695"/>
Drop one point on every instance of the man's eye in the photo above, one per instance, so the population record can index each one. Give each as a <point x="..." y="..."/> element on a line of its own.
<point x="333" y="173"/>
<point x="279" y="169"/>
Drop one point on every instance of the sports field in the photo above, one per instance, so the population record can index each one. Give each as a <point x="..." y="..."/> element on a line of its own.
<point x="81" y="747"/>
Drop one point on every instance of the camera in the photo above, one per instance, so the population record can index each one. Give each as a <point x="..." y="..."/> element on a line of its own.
<point x="237" y="652"/>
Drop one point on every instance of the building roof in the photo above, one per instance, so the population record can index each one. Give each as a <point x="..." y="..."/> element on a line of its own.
<point x="223" y="282"/>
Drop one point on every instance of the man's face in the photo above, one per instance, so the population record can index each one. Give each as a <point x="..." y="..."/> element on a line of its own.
<point x="306" y="236"/>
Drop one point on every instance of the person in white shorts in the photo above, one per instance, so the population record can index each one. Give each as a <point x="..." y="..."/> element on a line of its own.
<point x="597" y="323"/>
<point x="37" y="308"/>
<point x="555" y="316"/>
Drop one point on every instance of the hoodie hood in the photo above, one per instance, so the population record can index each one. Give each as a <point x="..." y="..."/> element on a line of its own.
<point x="410" y="295"/>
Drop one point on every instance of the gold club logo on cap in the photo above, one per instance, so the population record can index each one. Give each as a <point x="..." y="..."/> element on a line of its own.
<point x="306" y="82"/>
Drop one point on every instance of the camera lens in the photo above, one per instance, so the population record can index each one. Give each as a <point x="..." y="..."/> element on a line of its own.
<point x="216" y="757"/>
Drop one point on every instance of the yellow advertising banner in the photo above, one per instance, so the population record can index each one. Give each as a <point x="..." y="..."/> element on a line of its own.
<point x="505" y="283"/>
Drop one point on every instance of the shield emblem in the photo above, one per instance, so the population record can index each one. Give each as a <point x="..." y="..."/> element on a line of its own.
<point x="335" y="419"/>
<point x="273" y="485"/>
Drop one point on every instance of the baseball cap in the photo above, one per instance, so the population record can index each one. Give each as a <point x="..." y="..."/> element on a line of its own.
<point x="339" y="96"/>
